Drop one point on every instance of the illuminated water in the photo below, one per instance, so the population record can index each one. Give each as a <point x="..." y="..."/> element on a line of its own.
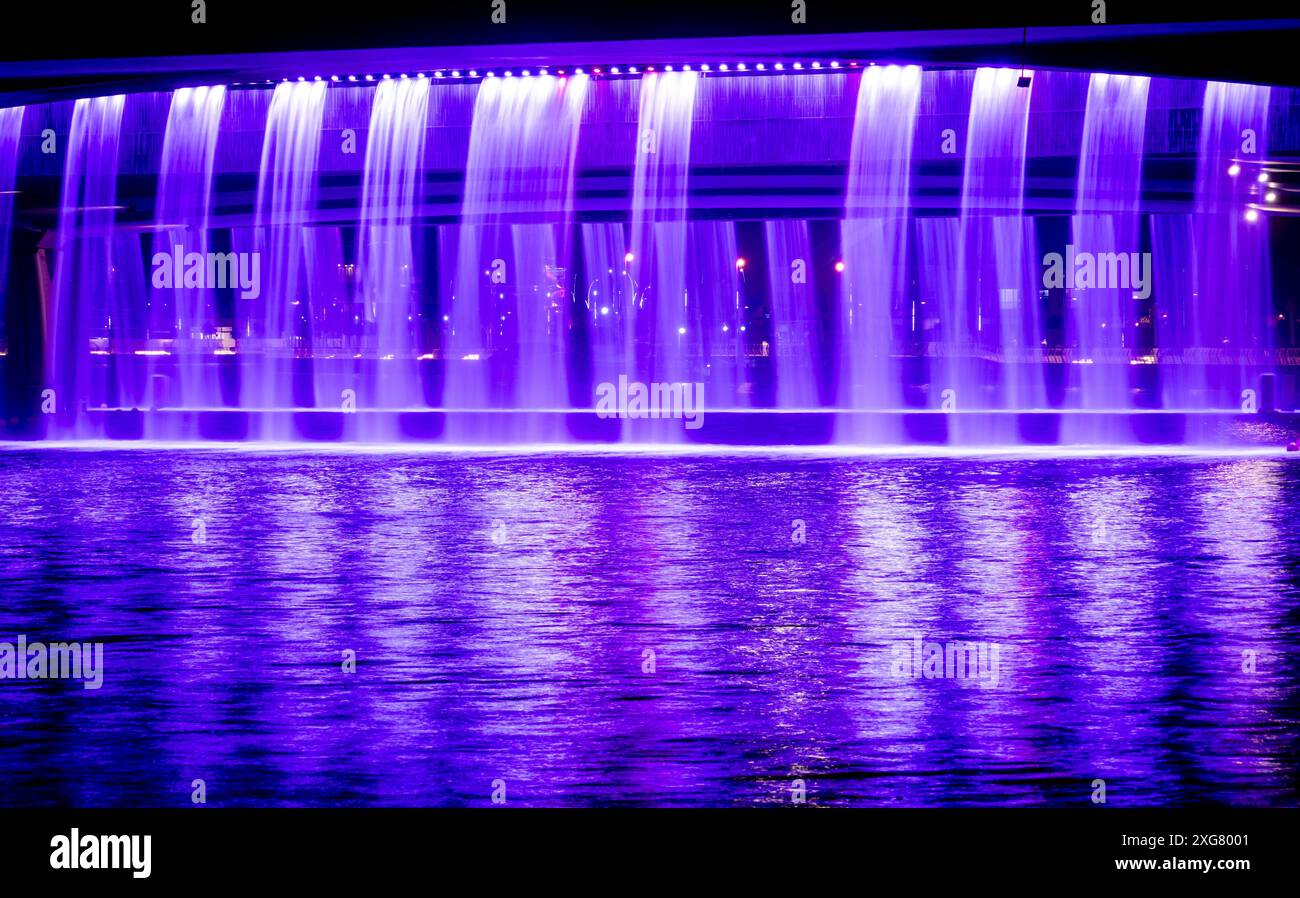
<point x="871" y="239"/>
<point x="500" y="608"/>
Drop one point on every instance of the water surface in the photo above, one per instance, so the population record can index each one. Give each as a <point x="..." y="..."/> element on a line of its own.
<point x="503" y="610"/>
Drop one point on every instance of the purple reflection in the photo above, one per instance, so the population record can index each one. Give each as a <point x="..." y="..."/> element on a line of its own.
<point x="501" y="610"/>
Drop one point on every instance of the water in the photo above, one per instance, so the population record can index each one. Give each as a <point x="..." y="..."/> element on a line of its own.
<point x="1123" y="592"/>
<point x="489" y="252"/>
<point x="84" y="265"/>
<point x="716" y="290"/>
<point x="608" y="297"/>
<point x="998" y="274"/>
<point x="394" y="161"/>
<point x="181" y="219"/>
<point x="1232" y="258"/>
<point x="1106" y="221"/>
<point x="282" y="374"/>
<point x="11" y="127"/>
<point x="658" y="333"/>
<point x="874" y="241"/>
<point x="512" y="269"/>
<point x="794" y="313"/>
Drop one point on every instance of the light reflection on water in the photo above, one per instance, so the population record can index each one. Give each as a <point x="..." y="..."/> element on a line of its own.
<point x="1122" y="591"/>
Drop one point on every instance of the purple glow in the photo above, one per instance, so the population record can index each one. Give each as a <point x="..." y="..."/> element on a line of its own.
<point x="838" y="252"/>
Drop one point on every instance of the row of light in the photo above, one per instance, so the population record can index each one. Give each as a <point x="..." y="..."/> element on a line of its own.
<point x="599" y="71"/>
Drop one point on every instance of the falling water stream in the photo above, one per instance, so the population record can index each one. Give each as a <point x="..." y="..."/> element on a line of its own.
<point x="874" y="247"/>
<point x="473" y="266"/>
<point x="390" y="185"/>
<point x="83" y="308"/>
<point x="510" y="312"/>
<point x="181" y="219"/>
<point x="1106" y="222"/>
<point x="282" y="375"/>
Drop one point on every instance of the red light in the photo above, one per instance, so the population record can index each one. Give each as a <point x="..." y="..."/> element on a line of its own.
<point x="839" y="266"/>
<point x="740" y="263"/>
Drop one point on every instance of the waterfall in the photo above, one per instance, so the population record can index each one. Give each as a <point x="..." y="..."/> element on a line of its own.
<point x="1106" y="221"/>
<point x="507" y="348"/>
<point x="658" y="330"/>
<point x="281" y="374"/>
<point x="874" y="245"/>
<point x="181" y="219"/>
<point x="998" y="308"/>
<point x="1046" y="260"/>
<point x="85" y="265"/>
<point x="1231" y="302"/>
<point x="11" y="129"/>
<point x="390" y="187"/>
